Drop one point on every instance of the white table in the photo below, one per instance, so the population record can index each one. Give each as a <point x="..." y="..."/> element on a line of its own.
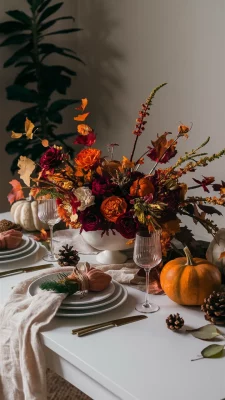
<point x="143" y="360"/>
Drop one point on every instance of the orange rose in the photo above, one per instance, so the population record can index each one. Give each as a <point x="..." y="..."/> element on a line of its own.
<point x="142" y="187"/>
<point x="87" y="158"/>
<point x="113" y="207"/>
<point x="83" y="129"/>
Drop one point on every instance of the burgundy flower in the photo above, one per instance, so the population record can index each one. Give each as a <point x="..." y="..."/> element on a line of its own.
<point x="90" y="219"/>
<point x="127" y="225"/>
<point x="52" y="158"/>
<point x="101" y="186"/>
<point x="87" y="140"/>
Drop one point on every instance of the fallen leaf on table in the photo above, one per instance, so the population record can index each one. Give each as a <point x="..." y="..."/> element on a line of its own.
<point x="206" y="332"/>
<point x="211" y="351"/>
<point x="26" y="167"/>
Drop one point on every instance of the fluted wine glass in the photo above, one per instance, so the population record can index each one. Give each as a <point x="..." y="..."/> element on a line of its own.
<point x="147" y="254"/>
<point x="47" y="213"/>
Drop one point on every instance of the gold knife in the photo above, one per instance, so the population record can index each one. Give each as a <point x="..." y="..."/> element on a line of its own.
<point x="105" y="325"/>
<point x="26" y="269"/>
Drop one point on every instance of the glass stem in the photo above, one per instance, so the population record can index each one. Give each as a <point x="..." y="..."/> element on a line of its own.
<point x="147" y="271"/>
<point x="51" y="240"/>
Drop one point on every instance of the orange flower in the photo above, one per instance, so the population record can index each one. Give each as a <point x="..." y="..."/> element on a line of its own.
<point x="87" y="158"/>
<point x="142" y="187"/>
<point x="83" y="129"/>
<point x="113" y="207"/>
<point x="126" y="163"/>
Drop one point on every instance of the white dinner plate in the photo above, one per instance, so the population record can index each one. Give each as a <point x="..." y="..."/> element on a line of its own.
<point x="76" y="298"/>
<point x="28" y="248"/>
<point x="100" y="310"/>
<point x="24" y="243"/>
<point x="23" y="256"/>
<point x="113" y="297"/>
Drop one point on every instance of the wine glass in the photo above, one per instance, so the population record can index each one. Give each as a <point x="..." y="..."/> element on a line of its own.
<point x="147" y="254"/>
<point x="47" y="213"/>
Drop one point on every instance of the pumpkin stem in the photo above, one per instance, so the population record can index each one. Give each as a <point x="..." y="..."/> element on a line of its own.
<point x="190" y="260"/>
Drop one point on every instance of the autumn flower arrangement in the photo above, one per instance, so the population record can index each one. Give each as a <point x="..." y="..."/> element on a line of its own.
<point x="100" y="193"/>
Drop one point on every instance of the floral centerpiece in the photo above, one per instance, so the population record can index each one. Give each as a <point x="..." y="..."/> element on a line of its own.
<point x="98" y="193"/>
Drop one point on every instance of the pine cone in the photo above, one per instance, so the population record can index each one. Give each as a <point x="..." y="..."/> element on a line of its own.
<point x="214" y="308"/>
<point x="174" y="322"/>
<point x="68" y="256"/>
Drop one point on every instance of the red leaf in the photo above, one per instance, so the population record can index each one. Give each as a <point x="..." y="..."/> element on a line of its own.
<point x="16" y="192"/>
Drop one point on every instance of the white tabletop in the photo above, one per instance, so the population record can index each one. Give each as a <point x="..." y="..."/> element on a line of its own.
<point x="143" y="360"/>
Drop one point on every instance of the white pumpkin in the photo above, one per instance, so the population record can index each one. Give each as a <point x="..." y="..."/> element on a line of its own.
<point x="25" y="213"/>
<point x="216" y="247"/>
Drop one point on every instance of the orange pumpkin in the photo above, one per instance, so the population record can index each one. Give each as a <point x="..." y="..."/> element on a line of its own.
<point x="98" y="280"/>
<point x="188" y="281"/>
<point x="142" y="187"/>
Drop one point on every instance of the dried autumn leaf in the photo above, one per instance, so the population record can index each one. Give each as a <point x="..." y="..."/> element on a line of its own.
<point x="183" y="130"/>
<point x="198" y="215"/>
<point x="81" y="117"/>
<point x="15" y="135"/>
<point x="222" y="255"/>
<point x="206" y="332"/>
<point x="162" y="149"/>
<point x="16" y="192"/>
<point x="45" y="143"/>
<point x="26" y="167"/>
<point x="84" y="103"/>
<point x="29" y="126"/>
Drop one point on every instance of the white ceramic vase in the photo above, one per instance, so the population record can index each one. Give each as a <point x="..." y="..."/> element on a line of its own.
<point x="110" y="246"/>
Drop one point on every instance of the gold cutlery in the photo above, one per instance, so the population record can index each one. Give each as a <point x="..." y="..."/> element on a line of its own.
<point x="26" y="269"/>
<point x="105" y="325"/>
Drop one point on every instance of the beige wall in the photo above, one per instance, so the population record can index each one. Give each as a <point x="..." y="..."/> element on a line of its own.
<point x="130" y="46"/>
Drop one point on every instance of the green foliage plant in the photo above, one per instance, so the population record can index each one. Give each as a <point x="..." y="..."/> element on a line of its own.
<point x="37" y="80"/>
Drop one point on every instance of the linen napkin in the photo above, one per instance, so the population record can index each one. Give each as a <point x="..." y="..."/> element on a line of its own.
<point x="22" y="361"/>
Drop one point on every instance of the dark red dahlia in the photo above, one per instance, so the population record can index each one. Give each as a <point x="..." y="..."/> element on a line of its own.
<point x="91" y="219"/>
<point x="101" y="186"/>
<point x="52" y="158"/>
<point x="127" y="225"/>
<point x="87" y="140"/>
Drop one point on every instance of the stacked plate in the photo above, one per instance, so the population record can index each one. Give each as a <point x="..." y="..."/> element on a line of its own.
<point x="91" y="303"/>
<point x="27" y="248"/>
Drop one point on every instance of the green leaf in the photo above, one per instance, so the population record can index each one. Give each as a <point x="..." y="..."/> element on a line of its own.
<point x="61" y="104"/>
<point x="213" y="350"/>
<point x="24" y="78"/>
<point x="54" y="194"/>
<point x="48" y="48"/>
<point x="20" y="93"/>
<point x="16" y="39"/>
<point x="20" y="16"/>
<point x="11" y="26"/>
<point x="49" y="11"/>
<point x="55" y="117"/>
<point x="62" y="31"/>
<point x="47" y="25"/>
<point x="206" y="332"/>
<point x="34" y="4"/>
<point x="23" y="52"/>
<point x="44" y="5"/>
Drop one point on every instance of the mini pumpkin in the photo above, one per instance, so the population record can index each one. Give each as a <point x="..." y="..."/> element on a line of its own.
<point x="142" y="187"/>
<point x="25" y="213"/>
<point x="188" y="280"/>
<point x="98" y="280"/>
<point x="10" y="239"/>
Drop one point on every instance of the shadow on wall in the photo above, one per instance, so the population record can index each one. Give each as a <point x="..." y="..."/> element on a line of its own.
<point x="100" y="80"/>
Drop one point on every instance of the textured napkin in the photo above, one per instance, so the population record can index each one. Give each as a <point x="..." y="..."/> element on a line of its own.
<point x="22" y="361"/>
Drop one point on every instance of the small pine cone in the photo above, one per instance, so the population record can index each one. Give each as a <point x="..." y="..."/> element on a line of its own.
<point x="68" y="256"/>
<point x="214" y="308"/>
<point x="174" y="322"/>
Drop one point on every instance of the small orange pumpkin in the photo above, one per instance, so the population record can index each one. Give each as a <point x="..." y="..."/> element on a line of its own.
<point x="142" y="187"/>
<point x="98" y="280"/>
<point x="188" y="281"/>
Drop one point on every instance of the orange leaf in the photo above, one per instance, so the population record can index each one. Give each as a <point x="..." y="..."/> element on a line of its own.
<point x="16" y="192"/>
<point x="83" y="129"/>
<point x="222" y="255"/>
<point x="26" y="167"/>
<point x="15" y="135"/>
<point x="45" y="143"/>
<point x="126" y="163"/>
<point x="29" y="126"/>
<point x="83" y="105"/>
<point x="81" y="117"/>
